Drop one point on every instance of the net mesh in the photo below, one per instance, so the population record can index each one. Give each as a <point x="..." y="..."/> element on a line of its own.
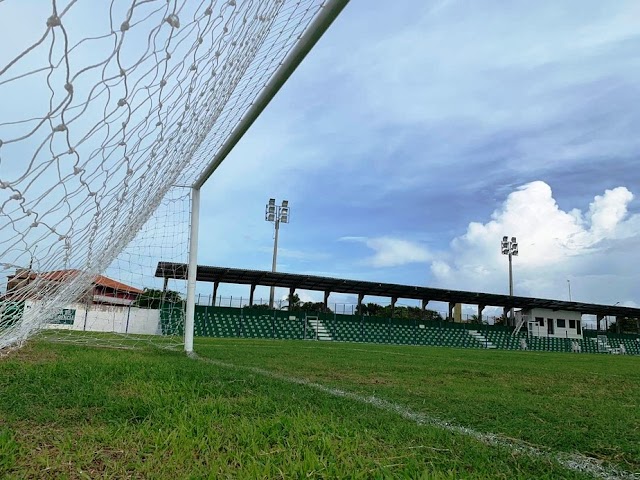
<point x="106" y="108"/>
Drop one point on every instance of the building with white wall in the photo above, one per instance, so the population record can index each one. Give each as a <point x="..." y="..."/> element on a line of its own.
<point x="544" y="322"/>
<point x="104" y="318"/>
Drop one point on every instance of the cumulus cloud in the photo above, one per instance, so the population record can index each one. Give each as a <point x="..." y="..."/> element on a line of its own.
<point x="594" y="248"/>
<point x="392" y="252"/>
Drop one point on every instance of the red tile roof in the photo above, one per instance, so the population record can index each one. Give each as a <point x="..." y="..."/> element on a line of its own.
<point x="100" y="280"/>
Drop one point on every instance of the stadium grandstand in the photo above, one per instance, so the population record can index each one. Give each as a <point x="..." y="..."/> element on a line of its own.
<point x="561" y="320"/>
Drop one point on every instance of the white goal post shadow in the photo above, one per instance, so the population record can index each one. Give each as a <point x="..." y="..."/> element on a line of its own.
<point x="330" y="10"/>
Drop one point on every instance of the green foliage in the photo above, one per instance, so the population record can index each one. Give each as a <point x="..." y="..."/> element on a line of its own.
<point x="401" y="311"/>
<point x="257" y="307"/>
<point x="502" y="320"/>
<point x="152" y="298"/>
<point x="625" y="325"/>
<point x="294" y="303"/>
<point x="313" y="307"/>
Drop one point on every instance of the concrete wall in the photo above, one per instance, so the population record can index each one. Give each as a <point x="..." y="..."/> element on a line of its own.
<point x="106" y="318"/>
<point x="553" y="316"/>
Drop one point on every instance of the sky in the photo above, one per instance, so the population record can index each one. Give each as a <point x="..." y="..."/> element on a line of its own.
<point x="416" y="134"/>
<point x="413" y="137"/>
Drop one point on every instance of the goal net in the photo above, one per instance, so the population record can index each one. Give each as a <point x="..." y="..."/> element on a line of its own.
<point x="107" y="111"/>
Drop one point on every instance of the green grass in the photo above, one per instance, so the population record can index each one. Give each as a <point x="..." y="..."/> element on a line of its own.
<point x="69" y="411"/>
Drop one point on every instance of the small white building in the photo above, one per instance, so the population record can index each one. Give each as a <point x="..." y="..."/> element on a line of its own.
<point x="543" y="322"/>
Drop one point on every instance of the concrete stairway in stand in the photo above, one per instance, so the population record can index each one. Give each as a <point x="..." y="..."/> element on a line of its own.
<point x="481" y="338"/>
<point x="323" y="333"/>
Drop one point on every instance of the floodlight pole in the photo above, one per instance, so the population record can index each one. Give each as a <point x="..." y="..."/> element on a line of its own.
<point x="510" y="248"/>
<point x="192" y="270"/>
<point x="276" y="214"/>
<point x="273" y="264"/>
<point x="511" y="277"/>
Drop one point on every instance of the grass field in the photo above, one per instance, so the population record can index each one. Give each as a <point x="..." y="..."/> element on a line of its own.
<point x="294" y="409"/>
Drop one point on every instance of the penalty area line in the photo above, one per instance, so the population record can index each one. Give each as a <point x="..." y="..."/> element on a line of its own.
<point x="571" y="461"/>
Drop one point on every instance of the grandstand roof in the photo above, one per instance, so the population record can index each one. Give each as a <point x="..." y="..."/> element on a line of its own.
<point x="336" y="285"/>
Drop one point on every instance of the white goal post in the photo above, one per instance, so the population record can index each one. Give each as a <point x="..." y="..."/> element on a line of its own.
<point x="113" y="114"/>
<point x="316" y="29"/>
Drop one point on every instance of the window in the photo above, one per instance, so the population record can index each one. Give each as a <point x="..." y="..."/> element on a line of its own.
<point x="540" y="321"/>
<point x="560" y="323"/>
<point x="572" y="324"/>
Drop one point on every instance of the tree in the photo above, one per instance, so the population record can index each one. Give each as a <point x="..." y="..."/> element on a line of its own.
<point x="433" y="315"/>
<point x="501" y="320"/>
<point x="294" y="302"/>
<point x="258" y="307"/>
<point x="153" y="298"/>
<point x="475" y="319"/>
<point x="314" y="307"/>
<point x="371" y="309"/>
<point x="414" y="313"/>
<point x="625" y="325"/>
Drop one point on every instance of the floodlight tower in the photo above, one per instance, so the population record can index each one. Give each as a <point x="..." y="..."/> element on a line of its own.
<point x="510" y="248"/>
<point x="276" y="214"/>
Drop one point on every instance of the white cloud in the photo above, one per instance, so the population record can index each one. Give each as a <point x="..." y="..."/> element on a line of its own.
<point x="392" y="252"/>
<point x="595" y="249"/>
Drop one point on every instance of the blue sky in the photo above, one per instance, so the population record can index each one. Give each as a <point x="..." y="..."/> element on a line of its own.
<point x="417" y="133"/>
<point x="412" y="138"/>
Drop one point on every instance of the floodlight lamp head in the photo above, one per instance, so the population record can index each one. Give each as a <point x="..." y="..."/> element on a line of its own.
<point x="285" y="203"/>
<point x="504" y="246"/>
<point x="272" y="201"/>
<point x="513" y="240"/>
<point x="284" y="214"/>
<point x="270" y="211"/>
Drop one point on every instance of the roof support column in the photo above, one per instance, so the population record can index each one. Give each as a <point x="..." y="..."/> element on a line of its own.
<point x="423" y="314"/>
<point x="599" y="318"/>
<point x="215" y="293"/>
<point x="292" y="292"/>
<point x="253" y="289"/>
<point x="165" y="285"/>
<point x="480" y="309"/>
<point x="505" y="312"/>
<point x="360" y="298"/>
<point x="452" y="305"/>
<point x="393" y="305"/>
<point x="326" y="299"/>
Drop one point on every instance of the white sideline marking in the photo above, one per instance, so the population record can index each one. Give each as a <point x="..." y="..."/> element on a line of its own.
<point x="571" y="461"/>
